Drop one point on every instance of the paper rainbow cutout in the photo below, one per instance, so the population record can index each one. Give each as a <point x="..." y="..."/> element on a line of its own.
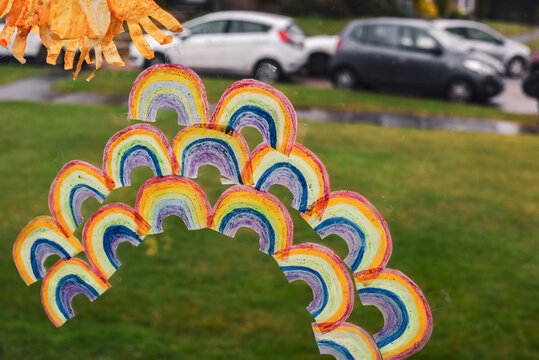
<point x="347" y="342"/>
<point x="256" y="104"/>
<point x="407" y="317"/>
<point x="105" y="230"/>
<point x="240" y="206"/>
<point x="138" y="145"/>
<point x="76" y="182"/>
<point x="301" y="172"/>
<point x="65" y="280"/>
<point x="198" y="145"/>
<point x="172" y="86"/>
<point x="41" y="238"/>
<point x="159" y="198"/>
<point x="356" y="220"/>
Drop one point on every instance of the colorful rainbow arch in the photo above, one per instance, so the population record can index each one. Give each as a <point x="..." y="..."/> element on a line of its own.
<point x="347" y="342"/>
<point x="354" y="219"/>
<point x="105" y="230"/>
<point x="138" y="145"/>
<point x="407" y="316"/>
<point x="256" y="104"/>
<point x="172" y="86"/>
<point x="241" y="206"/>
<point x="301" y="172"/>
<point x="324" y="271"/>
<point x="159" y="198"/>
<point x="38" y="240"/>
<point x="76" y="182"/>
<point x="65" y="280"/>
<point x="199" y="145"/>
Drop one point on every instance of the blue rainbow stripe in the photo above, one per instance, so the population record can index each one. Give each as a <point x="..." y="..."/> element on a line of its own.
<point x="149" y="157"/>
<point x="77" y="195"/>
<point x="75" y="285"/>
<point x="331" y="347"/>
<point x="113" y="236"/>
<point x="41" y="246"/>
<point x="315" y="281"/>
<point x="247" y="115"/>
<point x="288" y="170"/>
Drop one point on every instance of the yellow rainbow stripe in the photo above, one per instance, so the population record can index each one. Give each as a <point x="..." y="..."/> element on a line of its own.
<point x="346" y="342"/>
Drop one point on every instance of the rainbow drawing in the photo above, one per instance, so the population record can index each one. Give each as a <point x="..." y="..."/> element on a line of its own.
<point x="76" y="182"/>
<point x="347" y="342"/>
<point x="169" y="86"/>
<point x="159" y="198"/>
<point x="137" y="145"/>
<point x="407" y="316"/>
<point x="301" y="172"/>
<point x="241" y="206"/>
<point x="354" y="219"/>
<point x="38" y="240"/>
<point x="326" y="274"/>
<point x="256" y="104"/>
<point x="105" y="230"/>
<point x="199" y="145"/>
<point x="65" y="280"/>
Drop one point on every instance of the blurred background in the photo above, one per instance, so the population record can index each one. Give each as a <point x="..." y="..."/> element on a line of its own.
<point x="427" y="108"/>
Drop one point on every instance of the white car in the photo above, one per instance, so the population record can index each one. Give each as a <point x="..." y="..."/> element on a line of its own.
<point x="34" y="48"/>
<point x="319" y="50"/>
<point x="513" y="54"/>
<point x="246" y="43"/>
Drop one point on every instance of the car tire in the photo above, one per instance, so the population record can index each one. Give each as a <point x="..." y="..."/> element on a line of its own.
<point x="318" y="64"/>
<point x="157" y="59"/>
<point x="344" y="78"/>
<point x="267" y="71"/>
<point x="516" y="67"/>
<point x="460" y="90"/>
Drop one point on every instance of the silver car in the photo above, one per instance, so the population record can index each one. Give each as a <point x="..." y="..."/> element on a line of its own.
<point x="513" y="54"/>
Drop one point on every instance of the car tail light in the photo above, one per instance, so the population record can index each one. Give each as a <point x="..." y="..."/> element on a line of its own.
<point x="284" y="36"/>
<point x="339" y="43"/>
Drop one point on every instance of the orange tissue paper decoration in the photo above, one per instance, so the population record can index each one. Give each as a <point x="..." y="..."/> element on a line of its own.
<point x="84" y="25"/>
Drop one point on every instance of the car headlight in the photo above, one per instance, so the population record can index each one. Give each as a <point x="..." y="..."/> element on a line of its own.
<point x="478" y="67"/>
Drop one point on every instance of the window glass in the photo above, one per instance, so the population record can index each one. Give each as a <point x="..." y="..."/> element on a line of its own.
<point x="294" y="30"/>
<point x="247" y="27"/>
<point x="380" y="34"/>
<point x="212" y="27"/>
<point x="416" y="39"/>
<point x="479" y="35"/>
<point x="459" y="31"/>
<point x="357" y="33"/>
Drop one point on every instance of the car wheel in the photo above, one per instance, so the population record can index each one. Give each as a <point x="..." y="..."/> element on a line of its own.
<point x="516" y="67"/>
<point x="157" y="59"/>
<point x="344" y="78"/>
<point x="318" y="64"/>
<point x="267" y="71"/>
<point x="460" y="90"/>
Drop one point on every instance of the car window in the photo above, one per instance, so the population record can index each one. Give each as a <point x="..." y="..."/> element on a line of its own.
<point x="479" y="35"/>
<point x="295" y="30"/>
<point x="416" y="39"/>
<point x="459" y="31"/>
<point x="212" y="27"/>
<point x="357" y="33"/>
<point x="247" y="27"/>
<point x="383" y="35"/>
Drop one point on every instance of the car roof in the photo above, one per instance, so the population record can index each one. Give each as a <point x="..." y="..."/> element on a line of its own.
<point x="266" y="18"/>
<point x="393" y="21"/>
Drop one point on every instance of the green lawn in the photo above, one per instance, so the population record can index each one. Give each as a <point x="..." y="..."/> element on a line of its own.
<point x="313" y="25"/>
<point x="120" y="82"/>
<point x="16" y="71"/>
<point x="533" y="45"/>
<point x="462" y="209"/>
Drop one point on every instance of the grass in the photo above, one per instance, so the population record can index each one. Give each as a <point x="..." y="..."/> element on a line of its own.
<point x="461" y="207"/>
<point x="16" y="71"/>
<point x="120" y="82"/>
<point x="313" y="25"/>
<point x="533" y="45"/>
